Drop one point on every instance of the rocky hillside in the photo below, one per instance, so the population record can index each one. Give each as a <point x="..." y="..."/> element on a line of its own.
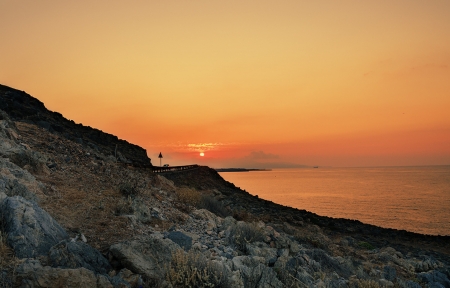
<point x="22" y="107"/>
<point x="72" y="216"/>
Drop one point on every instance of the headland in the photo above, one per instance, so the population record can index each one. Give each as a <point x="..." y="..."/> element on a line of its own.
<point x="91" y="213"/>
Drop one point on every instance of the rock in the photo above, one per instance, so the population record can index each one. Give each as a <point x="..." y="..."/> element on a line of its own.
<point x="141" y="211"/>
<point x="385" y="283"/>
<point x="433" y="278"/>
<point x="262" y="250"/>
<point x="15" y="181"/>
<point x="329" y="263"/>
<point x="294" y="247"/>
<point x="68" y="254"/>
<point x="212" y="219"/>
<point x="409" y="284"/>
<point x="389" y="273"/>
<point x="181" y="239"/>
<point x="126" y="277"/>
<point x="147" y="257"/>
<point x="15" y="188"/>
<point x="3" y="195"/>
<point x="227" y="222"/>
<point x="31" y="231"/>
<point x="255" y="274"/>
<point x="32" y="274"/>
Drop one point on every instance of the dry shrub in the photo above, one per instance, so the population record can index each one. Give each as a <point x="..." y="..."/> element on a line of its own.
<point x="242" y="233"/>
<point x="124" y="207"/>
<point x="6" y="252"/>
<point x="211" y="204"/>
<point x="241" y="215"/>
<point x="192" y="269"/>
<point x="8" y="263"/>
<point x="128" y="189"/>
<point x="367" y="284"/>
<point x="187" y="198"/>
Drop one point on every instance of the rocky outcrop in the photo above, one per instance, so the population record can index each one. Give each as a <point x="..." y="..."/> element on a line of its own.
<point x="77" y="254"/>
<point x="22" y="107"/>
<point x="146" y="257"/>
<point x="31" y="231"/>
<point x="31" y="273"/>
<point x="254" y="273"/>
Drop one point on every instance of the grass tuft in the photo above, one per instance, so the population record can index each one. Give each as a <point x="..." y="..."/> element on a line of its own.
<point x="192" y="269"/>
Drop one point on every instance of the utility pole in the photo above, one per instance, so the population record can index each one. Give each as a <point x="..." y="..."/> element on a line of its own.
<point x="160" y="157"/>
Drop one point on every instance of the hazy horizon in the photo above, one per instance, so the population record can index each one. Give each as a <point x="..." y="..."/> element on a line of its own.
<point x="253" y="84"/>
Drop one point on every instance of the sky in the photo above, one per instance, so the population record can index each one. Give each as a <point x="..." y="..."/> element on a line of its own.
<point x="255" y="84"/>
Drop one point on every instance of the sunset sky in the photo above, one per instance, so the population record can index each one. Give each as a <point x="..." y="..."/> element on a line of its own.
<point x="257" y="84"/>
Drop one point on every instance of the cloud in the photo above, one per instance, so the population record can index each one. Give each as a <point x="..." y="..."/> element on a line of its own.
<point x="261" y="155"/>
<point x="203" y="146"/>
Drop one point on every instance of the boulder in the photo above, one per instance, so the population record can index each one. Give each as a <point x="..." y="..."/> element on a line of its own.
<point x="147" y="257"/>
<point x="31" y="273"/>
<point x="181" y="239"/>
<point x="71" y="254"/>
<point x="31" y="231"/>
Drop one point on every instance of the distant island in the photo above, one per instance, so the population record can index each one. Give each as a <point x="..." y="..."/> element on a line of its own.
<point x="239" y="170"/>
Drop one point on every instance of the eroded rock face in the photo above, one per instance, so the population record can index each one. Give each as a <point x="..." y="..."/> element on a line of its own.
<point x="31" y="231"/>
<point x="146" y="257"/>
<point x="71" y="254"/>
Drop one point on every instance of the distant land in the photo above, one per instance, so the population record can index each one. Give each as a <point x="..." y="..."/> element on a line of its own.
<point x="239" y="169"/>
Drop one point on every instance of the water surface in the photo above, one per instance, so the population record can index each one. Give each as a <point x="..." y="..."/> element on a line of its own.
<point x="416" y="199"/>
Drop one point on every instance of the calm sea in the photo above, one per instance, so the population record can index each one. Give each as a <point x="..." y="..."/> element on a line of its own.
<point x="416" y="199"/>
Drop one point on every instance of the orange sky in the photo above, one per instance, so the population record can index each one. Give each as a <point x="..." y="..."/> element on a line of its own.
<point x="249" y="83"/>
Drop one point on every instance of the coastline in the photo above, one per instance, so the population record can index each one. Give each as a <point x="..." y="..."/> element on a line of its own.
<point x="240" y="169"/>
<point x="362" y="194"/>
<point x="265" y="209"/>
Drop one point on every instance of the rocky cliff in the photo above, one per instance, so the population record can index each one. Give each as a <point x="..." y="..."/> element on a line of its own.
<point x="22" y="107"/>
<point x="70" y="216"/>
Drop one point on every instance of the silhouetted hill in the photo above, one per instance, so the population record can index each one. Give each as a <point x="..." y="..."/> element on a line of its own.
<point x="23" y="107"/>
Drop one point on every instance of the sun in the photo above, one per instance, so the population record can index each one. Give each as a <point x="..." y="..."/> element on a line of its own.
<point x="202" y="154"/>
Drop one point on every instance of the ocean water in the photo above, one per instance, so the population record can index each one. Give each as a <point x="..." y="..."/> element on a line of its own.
<point x="415" y="199"/>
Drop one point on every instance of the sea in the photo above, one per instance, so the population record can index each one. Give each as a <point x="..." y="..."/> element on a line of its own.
<point x="415" y="199"/>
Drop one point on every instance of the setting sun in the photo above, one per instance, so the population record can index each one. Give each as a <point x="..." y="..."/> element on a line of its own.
<point x="202" y="154"/>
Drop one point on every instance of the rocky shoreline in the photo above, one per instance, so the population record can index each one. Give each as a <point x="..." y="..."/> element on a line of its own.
<point x="72" y="216"/>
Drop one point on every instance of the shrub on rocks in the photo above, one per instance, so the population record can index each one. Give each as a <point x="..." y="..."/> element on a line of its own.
<point x="187" y="199"/>
<point x="192" y="269"/>
<point x="242" y="233"/>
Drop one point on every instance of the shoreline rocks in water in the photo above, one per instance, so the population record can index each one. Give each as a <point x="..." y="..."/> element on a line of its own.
<point x="66" y="221"/>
